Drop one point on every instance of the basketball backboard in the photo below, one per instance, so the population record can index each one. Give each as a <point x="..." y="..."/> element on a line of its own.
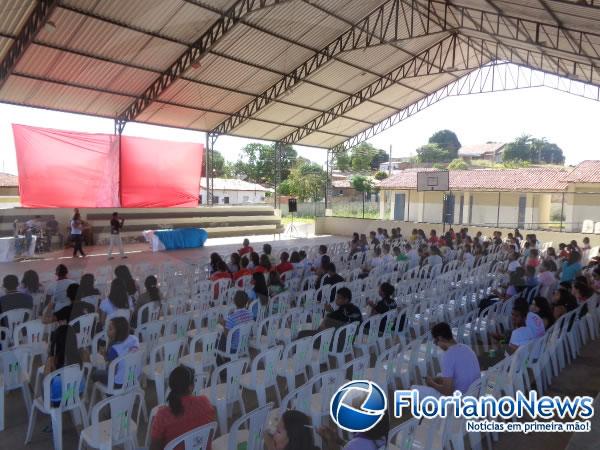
<point x="438" y="180"/>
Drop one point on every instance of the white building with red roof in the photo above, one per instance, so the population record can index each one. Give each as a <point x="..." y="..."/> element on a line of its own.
<point x="524" y="198"/>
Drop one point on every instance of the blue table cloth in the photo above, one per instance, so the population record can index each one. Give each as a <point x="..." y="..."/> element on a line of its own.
<point x="182" y="238"/>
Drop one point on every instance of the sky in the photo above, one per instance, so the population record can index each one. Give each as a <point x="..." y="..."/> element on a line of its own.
<point x="569" y="121"/>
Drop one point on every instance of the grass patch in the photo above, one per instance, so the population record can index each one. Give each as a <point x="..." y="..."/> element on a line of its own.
<point x="288" y="219"/>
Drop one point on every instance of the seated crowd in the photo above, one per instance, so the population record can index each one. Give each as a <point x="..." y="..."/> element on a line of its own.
<point x="541" y="284"/>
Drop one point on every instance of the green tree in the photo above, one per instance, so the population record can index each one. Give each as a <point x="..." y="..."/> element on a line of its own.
<point x="366" y="158"/>
<point x="222" y="168"/>
<point x="518" y="150"/>
<point x="458" y="164"/>
<point x="306" y="181"/>
<point x="547" y="152"/>
<point x="381" y="175"/>
<point x="379" y="158"/>
<point x="362" y="184"/>
<point x="432" y="153"/>
<point x="343" y="161"/>
<point x="447" y="140"/>
<point x="258" y="163"/>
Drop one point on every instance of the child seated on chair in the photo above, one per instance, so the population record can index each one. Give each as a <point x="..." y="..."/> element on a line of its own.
<point x="120" y="342"/>
<point x="239" y="316"/>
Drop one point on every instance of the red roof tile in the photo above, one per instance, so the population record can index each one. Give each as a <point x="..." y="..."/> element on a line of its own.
<point x="585" y="172"/>
<point x="531" y="179"/>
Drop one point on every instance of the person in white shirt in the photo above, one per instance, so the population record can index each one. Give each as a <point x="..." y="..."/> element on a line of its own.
<point x="522" y="331"/>
<point x="468" y="257"/>
<point x="77" y="235"/>
<point x="459" y="364"/>
<point x="412" y="255"/>
<point x="57" y="293"/>
<point x="387" y="257"/>
<point x="434" y="258"/>
<point x="377" y="260"/>
<point x="514" y="262"/>
<point x="117" y="299"/>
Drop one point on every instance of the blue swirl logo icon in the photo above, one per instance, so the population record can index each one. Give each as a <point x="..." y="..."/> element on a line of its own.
<point x="358" y="406"/>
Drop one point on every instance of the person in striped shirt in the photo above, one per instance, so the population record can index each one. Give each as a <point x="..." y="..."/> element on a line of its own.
<point x="239" y="316"/>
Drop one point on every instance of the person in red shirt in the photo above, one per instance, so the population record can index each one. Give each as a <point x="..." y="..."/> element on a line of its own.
<point x="243" y="269"/>
<point x="433" y="239"/>
<point x="184" y="412"/>
<point x="222" y="272"/>
<point x="285" y="265"/>
<point x="265" y="264"/>
<point x="245" y="248"/>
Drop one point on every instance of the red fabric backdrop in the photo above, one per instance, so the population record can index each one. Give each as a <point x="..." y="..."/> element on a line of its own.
<point x="62" y="169"/>
<point x="159" y="173"/>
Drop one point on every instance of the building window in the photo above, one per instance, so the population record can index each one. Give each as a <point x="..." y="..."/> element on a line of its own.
<point x="246" y="199"/>
<point x="216" y="199"/>
<point x="226" y="200"/>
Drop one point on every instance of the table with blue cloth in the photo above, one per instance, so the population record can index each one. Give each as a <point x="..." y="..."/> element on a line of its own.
<point x="176" y="239"/>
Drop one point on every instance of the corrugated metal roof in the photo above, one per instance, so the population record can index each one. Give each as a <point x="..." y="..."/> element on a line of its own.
<point x="13" y="15"/>
<point x="277" y="38"/>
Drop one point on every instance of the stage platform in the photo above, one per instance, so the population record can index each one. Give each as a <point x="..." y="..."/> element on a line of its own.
<point x="138" y="253"/>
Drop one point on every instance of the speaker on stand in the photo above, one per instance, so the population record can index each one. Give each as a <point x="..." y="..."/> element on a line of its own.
<point x="292" y="208"/>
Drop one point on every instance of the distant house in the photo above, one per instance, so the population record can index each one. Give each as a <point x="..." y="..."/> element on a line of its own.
<point x="524" y="198"/>
<point x="342" y="187"/>
<point x="489" y="152"/>
<point x="231" y="191"/>
<point x="9" y="185"/>
<point x="396" y="163"/>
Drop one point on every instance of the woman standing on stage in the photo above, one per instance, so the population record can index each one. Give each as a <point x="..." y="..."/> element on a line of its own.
<point x="76" y="234"/>
<point x="116" y="224"/>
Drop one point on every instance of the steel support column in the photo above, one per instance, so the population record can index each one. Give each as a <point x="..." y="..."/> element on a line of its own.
<point x="211" y="138"/>
<point x="278" y="155"/>
<point x="328" y="183"/>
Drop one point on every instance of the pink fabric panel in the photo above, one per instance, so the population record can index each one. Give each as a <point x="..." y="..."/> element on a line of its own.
<point x="157" y="174"/>
<point x="63" y="169"/>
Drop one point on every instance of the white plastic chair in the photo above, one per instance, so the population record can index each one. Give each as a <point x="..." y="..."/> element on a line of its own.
<point x="131" y="366"/>
<point x="32" y="334"/>
<point x="294" y="360"/>
<point x="71" y="378"/>
<point x="198" y="438"/>
<point x="150" y="310"/>
<point x="150" y="334"/>
<point x="206" y="359"/>
<point x="265" y="333"/>
<point x="225" y="395"/>
<point x="320" y="354"/>
<point x="343" y="342"/>
<point x="15" y="317"/>
<point x="242" y="334"/>
<point x="254" y="423"/>
<point x="120" y="429"/>
<point x="163" y="359"/>
<point x="86" y="324"/>
<point x="259" y="380"/>
<point x="367" y="335"/>
<point x="15" y="365"/>
<point x="402" y="436"/>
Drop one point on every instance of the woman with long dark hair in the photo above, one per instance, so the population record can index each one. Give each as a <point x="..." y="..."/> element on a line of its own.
<point x="117" y="299"/>
<point x="152" y="294"/>
<point x="123" y="273"/>
<point x="30" y="283"/>
<point x="259" y="291"/>
<point x="63" y="352"/>
<point x="87" y="291"/>
<point x="184" y="410"/>
<point x="293" y="432"/>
